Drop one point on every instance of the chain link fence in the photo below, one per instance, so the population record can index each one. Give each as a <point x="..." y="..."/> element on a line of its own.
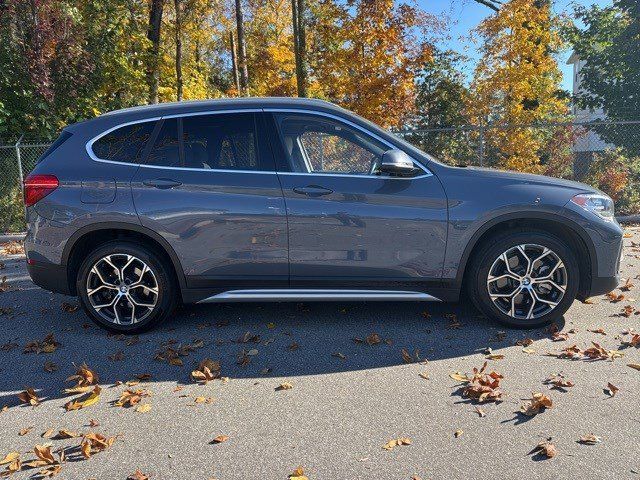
<point x="16" y="161"/>
<point x="601" y="153"/>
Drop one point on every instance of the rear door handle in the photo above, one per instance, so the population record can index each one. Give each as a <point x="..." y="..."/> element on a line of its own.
<point x="162" y="183"/>
<point x="312" y="191"/>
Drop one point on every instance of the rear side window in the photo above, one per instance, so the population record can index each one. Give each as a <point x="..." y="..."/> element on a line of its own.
<point x="166" y="149"/>
<point x="225" y="141"/>
<point x="125" y="144"/>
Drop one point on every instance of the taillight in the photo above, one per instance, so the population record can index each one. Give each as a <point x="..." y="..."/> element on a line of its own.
<point x="36" y="187"/>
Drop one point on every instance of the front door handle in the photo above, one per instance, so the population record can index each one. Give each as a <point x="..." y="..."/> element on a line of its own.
<point x="312" y="191"/>
<point x="162" y="183"/>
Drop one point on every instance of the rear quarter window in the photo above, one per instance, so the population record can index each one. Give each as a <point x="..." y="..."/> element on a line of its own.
<point x="125" y="144"/>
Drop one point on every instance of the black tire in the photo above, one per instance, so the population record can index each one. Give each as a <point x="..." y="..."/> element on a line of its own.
<point x="490" y="250"/>
<point x="167" y="296"/>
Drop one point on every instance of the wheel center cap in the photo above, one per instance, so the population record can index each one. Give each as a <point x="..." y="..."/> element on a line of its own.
<point x="124" y="289"/>
<point x="526" y="281"/>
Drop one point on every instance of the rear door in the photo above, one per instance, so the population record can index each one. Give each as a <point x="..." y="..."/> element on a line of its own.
<point x="209" y="188"/>
<point x="348" y="225"/>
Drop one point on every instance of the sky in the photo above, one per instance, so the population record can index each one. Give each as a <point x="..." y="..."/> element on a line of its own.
<point x="464" y="15"/>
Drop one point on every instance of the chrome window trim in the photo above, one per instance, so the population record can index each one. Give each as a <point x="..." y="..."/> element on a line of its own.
<point x="426" y="171"/>
<point x="89" y="144"/>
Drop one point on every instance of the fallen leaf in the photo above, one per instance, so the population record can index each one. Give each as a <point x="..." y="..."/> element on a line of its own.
<point x="537" y="404"/>
<point x="84" y="376"/>
<point x="458" y="433"/>
<point x="144" y="408"/>
<point x="95" y="442"/>
<point x="373" y="339"/>
<point x="338" y="355"/>
<point x="220" y="439"/>
<point x="635" y="366"/>
<point x="84" y="401"/>
<point x="284" y="386"/>
<point x="47" y="433"/>
<point x="138" y="475"/>
<point x="407" y="358"/>
<point x="298" y="474"/>
<point x="29" y="396"/>
<point x="67" y="434"/>
<point x="481" y="413"/>
<point x="391" y="444"/>
<point x="494" y="356"/>
<point x="24" y="431"/>
<point x="590" y="439"/>
<point x="43" y="452"/>
<point x="558" y="382"/>
<point x="9" y="457"/>
<point x="48" y="345"/>
<point x="482" y="386"/>
<point x="545" y="448"/>
<point x="207" y="370"/>
<point x="611" y="389"/>
<point x="130" y="397"/>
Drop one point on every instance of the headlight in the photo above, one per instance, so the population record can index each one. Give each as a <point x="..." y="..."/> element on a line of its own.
<point x="601" y="205"/>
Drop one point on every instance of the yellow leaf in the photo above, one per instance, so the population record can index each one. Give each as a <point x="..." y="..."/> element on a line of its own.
<point x="84" y="401"/>
<point x="10" y="457"/>
<point x="634" y="365"/>
<point x="144" y="408"/>
<point x="459" y="376"/>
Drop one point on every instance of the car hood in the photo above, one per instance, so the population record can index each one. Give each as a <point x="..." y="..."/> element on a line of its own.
<point x="530" y="179"/>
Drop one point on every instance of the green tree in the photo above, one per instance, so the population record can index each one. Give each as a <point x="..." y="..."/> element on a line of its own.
<point x="440" y="104"/>
<point x="609" y="44"/>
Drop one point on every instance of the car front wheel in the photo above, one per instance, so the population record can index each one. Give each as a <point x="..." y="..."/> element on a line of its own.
<point x="126" y="288"/>
<point x="523" y="279"/>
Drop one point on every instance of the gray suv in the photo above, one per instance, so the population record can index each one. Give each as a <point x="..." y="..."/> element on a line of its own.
<point x="273" y="199"/>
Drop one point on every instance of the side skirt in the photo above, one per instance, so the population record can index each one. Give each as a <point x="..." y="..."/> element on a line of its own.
<point x="318" y="295"/>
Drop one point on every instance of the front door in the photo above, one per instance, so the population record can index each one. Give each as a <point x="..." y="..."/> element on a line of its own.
<point x="350" y="227"/>
<point x="209" y="187"/>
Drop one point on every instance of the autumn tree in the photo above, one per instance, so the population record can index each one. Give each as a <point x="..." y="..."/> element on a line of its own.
<point x="367" y="55"/>
<point x="517" y="82"/>
<point x="153" y="34"/>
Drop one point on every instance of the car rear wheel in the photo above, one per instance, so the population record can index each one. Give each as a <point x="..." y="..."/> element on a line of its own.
<point x="524" y="279"/>
<point x="125" y="287"/>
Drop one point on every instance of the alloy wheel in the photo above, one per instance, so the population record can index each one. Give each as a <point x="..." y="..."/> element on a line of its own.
<point x="527" y="281"/>
<point x="122" y="289"/>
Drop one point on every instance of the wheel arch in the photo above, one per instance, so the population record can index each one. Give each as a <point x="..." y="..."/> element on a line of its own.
<point x="557" y="225"/>
<point x="96" y="234"/>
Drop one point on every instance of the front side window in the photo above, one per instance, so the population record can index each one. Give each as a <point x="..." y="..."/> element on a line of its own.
<point x="125" y="144"/>
<point x="317" y="144"/>
<point x="212" y="141"/>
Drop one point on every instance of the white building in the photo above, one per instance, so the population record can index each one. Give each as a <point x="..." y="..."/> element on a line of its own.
<point x="590" y="142"/>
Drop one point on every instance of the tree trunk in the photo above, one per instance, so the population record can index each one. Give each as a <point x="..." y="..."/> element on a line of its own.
<point x="153" y="63"/>
<point x="234" y="62"/>
<point x="178" y="49"/>
<point x="242" y="50"/>
<point x="299" y="45"/>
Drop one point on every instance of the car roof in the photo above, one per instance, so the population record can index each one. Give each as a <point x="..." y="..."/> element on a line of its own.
<point x="170" y="108"/>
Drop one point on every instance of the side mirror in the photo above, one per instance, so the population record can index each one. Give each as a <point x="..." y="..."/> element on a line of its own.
<point x="396" y="162"/>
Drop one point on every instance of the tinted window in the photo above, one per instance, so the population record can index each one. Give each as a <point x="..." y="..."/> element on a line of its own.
<point x="166" y="151"/>
<point x="322" y="145"/>
<point x="223" y="142"/>
<point x="125" y="144"/>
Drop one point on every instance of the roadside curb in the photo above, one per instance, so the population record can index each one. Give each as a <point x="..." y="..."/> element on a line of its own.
<point x="11" y="237"/>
